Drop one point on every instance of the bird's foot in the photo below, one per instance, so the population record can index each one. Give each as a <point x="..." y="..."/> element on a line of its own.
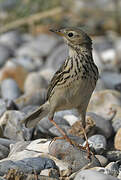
<point x="89" y="152"/>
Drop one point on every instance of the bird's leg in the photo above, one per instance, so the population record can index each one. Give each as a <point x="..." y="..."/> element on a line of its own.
<point x="87" y="144"/>
<point x="65" y="136"/>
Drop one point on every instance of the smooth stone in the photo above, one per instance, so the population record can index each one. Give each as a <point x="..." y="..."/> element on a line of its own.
<point x="97" y="143"/>
<point x="2" y="107"/>
<point x="29" y="109"/>
<point x="30" y="64"/>
<point x="110" y="79"/>
<point x="91" y="174"/>
<point x="14" y="91"/>
<point x="4" y="151"/>
<point x="100" y="104"/>
<point x="40" y="46"/>
<point x="116" y="121"/>
<point x="11" y="124"/>
<point x="27" y="165"/>
<point x="14" y="71"/>
<point x="12" y="39"/>
<point x="103" y="160"/>
<point x="76" y="158"/>
<point x="6" y="142"/>
<point x="5" y="53"/>
<point x="34" y="81"/>
<point x="7" y="105"/>
<point x="100" y="85"/>
<point x="98" y="60"/>
<point x="55" y="132"/>
<point x="37" y="148"/>
<point x="106" y="130"/>
<point x="117" y="140"/>
<point x="57" y="57"/>
<point x="44" y="126"/>
<point x="113" y="155"/>
<point x="112" y="169"/>
<point x="36" y="98"/>
<point x="47" y="73"/>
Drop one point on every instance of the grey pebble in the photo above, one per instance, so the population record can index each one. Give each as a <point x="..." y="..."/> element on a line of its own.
<point x="34" y="82"/>
<point x="29" y="63"/>
<point x="110" y="79"/>
<point x="11" y="125"/>
<point x="97" y="143"/>
<point x="5" y="53"/>
<point x="55" y="132"/>
<point x="27" y="165"/>
<point x="36" y="98"/>
<point x="45" y="127"/>
<point x="4" y="151"/>
<point x="91" y="174"/>
<point x="38" y="47"/>
<point x="2" y="107"/>
<point x="113" y="155"/>
<point x="29" y="109"/>
<point x="57" y="57"/>
<point x="76" y="157"/>
<point x="10" y="89"/>
<point x="99" y="122"/>
<point x="12" y="39"/>
<point x="103" y="160"/>
<point x="116" y="124"/>
<point x="112" y="169"/>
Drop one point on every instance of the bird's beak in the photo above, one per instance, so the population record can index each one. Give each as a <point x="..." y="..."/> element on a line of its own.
<point x="59" y="32"/>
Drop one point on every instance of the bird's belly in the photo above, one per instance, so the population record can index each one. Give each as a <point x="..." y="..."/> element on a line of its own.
<point x="74" y="95"/>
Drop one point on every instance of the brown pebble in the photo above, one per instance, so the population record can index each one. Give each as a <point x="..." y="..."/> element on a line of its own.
<point x="117" y="140"/>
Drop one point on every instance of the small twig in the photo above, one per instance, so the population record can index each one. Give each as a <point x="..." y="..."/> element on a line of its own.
<point x="31" y="19"/>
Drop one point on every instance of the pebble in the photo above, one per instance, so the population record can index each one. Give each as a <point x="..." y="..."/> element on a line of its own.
<point x="45" y="127"/>
<point x="47" y="73"/>
<point x="11" y="124"/>
<point x="14" y="71"/>
<point x="12" y="39"/>
<point x="100" y="104"/>
<point x="5" y="53"/>
<point x="55" y="132"/>
<point x="114" y="155"/>
<point x="38" y="47"/>
<point x="27" y="165"/>
<point x="116" y="121"/>
<point x="36" y="98"/>
<point x="34" y="82"/>
<point x="2" y="107"/>
<point x="106" y="130"/>
<point x="29" y="63"/>
<point x="97" y="143"/>
<point x="76" y="158"/>
<point x="91" y="174"/>
<point x="110" y="79"/>
<point x="103" y="160"/>
<point x="117" y="140"/>
<point x="4" y="151"/>
<point x="57" y="57"/>
<point x="14" y="91"/>
<point x="112" y="169"/>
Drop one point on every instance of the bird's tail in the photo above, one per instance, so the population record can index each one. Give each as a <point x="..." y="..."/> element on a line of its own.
<point x="37" y="115"/>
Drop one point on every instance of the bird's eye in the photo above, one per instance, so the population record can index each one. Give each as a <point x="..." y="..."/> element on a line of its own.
<point x="70" y="34"/>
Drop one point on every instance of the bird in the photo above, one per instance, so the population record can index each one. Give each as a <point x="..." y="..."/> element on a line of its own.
<point x="72" y="85"/>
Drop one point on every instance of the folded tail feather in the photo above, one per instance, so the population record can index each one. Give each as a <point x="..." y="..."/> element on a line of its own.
<point x="36" y="116"/>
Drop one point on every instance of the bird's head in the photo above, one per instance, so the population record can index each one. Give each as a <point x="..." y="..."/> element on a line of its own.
<point x="75" y="37"/>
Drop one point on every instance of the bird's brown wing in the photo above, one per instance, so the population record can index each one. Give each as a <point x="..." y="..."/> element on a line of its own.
<point x="57" y="78"/>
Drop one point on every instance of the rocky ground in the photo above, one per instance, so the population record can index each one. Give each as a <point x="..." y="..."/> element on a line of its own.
<point x="27" y="64"/>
